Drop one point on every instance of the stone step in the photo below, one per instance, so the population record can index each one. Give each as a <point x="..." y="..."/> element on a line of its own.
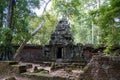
<point x="42" y="76"/>
<point x="10" y="78"/>
<point x="19" y="68"/>
<point x="59" y="61"/>
<point x="9" y="62"/>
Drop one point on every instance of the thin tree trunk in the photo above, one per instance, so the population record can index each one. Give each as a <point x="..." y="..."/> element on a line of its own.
<point x="99" y="31"/>
<point x="92" y="33"/>
<point x="16" y="56"/>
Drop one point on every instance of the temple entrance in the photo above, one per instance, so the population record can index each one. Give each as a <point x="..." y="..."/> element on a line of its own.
<point x="59" y="53"/>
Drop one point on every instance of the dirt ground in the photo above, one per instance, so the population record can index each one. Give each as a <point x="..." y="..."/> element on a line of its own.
<point x="74" y="74"/>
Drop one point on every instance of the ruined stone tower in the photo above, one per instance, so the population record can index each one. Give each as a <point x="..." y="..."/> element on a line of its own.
<point x="61" y="45"/>
<point x="62" y="34"/>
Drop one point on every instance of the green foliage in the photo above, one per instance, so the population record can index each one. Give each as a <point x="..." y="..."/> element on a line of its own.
<point x="66" y="8"/>
<point x="110" y="29"/>
<point x="80" y="19"/>
<point x="20" y="21"/>
<point x="43" y="36"/>
<point x="17" y="31"/>
<point x="22" y="10"/>
<point x="3" y="33"/>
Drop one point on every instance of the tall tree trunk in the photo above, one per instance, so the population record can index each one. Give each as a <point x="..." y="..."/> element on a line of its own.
<point x="10" y="13"/>
<point x="1" y="25"/>
<point x="16" y="56"/>
<point x="8" y="46"/>
<point x="1" y="15"/>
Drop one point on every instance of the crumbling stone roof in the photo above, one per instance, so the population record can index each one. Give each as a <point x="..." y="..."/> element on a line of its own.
<point x="62" y="34"/>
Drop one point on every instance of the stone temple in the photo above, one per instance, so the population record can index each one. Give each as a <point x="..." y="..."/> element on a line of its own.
<point x="61" y="45"/>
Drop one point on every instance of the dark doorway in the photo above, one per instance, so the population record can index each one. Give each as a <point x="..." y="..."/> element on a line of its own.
<point x="59" y="53"/>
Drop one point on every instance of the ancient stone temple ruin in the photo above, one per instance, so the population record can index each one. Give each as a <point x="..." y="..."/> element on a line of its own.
<point x="61" y="45"/>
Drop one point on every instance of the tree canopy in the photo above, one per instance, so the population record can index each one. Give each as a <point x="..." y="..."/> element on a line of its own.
<point x="109" y="22"/>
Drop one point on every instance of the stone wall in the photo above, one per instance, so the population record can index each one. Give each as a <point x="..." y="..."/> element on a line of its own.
<point x="102" y="68"/>
<point x="31" y="53"/>
<point x="37" y="53"/>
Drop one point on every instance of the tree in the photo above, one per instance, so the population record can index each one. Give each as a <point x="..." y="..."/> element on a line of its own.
<point x="32" y="34"/>
<point x="13" y="23"/>
<point x="80" y="19"/>
<point x="23" y="10"/>
<point x="110" y="31"/>
<point x="7" y="47"/>
<point x="43" y="35"/>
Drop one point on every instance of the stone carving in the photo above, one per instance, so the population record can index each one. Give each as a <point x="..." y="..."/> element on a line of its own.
<point x="62" y="34"/>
